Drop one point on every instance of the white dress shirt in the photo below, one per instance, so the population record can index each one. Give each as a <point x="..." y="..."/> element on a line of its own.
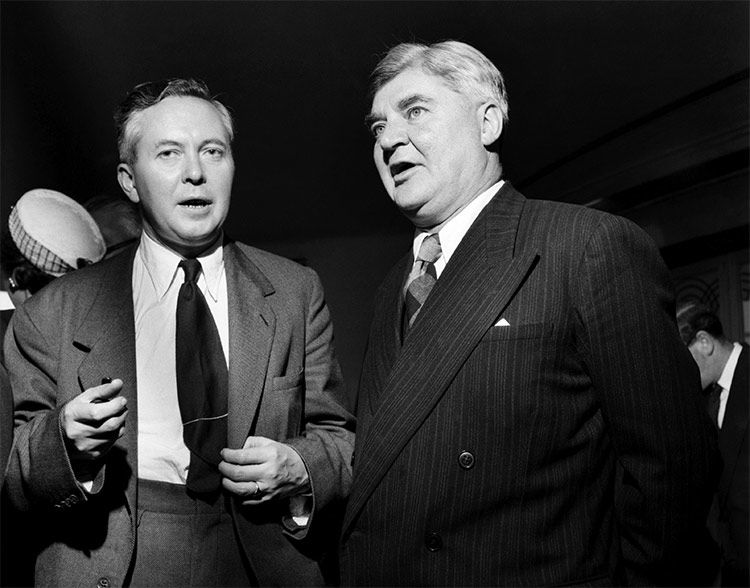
<point x="162" y="453"/>
<point x="725" y="381"/>
<point x="454" y="230"/>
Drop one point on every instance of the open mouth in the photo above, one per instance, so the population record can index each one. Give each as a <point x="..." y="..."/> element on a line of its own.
<point x="196" y="203"/>
<point x="399" y="168"/>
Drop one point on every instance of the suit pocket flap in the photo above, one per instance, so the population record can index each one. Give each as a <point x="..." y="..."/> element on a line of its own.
<point x="289" y="381"/>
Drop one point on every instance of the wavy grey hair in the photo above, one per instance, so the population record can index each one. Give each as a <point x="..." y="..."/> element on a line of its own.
<point x="464" y="69"/>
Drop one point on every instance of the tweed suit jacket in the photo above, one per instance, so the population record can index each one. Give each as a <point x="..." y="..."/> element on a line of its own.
<point x="284" y="383"/>
<point x="734" y="485"/>
<point x="569" y="447"/>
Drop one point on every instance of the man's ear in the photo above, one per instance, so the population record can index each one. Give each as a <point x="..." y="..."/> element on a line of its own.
<point x="705" y="343"/>
<point x="491" y="123"/>
<point x="127" y="182"/>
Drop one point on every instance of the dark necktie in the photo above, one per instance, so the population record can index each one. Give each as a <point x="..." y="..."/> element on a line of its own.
<point x="714" y="402"/>
<point x="422" y="278"/>
<point x="201" y="382"/>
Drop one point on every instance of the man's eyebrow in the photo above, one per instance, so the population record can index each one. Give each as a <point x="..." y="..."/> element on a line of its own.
<point x="403" y="104"/>
<point x="167" y="143"/>
<point x="220" y="142"/>
<point x="371" y="118"/>
<point x="175" y="143"/>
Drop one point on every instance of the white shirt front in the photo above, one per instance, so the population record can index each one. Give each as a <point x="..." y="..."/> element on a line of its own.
<point x="454" y="230"/>
<point x="725" y="381"/>
<point x="162" y="453"/>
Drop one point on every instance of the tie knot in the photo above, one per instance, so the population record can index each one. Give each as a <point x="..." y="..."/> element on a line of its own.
<point x="430" y="249"/>
<point x="191" y="267"/>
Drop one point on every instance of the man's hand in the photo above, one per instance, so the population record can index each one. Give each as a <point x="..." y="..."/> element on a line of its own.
<point x="263" y="470"/>
<point x="91" y="423"/>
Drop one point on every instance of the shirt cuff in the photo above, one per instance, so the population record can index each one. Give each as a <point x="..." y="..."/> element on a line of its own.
<point x="300" y="509"/>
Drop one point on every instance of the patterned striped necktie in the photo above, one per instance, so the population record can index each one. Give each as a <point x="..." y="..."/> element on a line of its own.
<point x="421" y="279"/>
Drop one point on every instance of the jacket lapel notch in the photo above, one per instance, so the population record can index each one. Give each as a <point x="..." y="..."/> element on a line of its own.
<point x="107" y="333"/>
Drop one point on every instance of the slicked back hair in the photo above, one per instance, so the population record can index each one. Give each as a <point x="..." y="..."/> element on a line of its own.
<point x="695" y="316"/>
<point x="464" y="69"/>
<point x="146" y="95"/>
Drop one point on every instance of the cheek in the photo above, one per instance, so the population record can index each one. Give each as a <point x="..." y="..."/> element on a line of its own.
<point x="385" y="175"/>
<point x="154" y="183"/>
<point x="377" y="158"/>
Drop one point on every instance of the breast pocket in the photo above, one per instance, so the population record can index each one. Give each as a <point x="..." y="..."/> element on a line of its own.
<point x="515" y="332"/>
<point x="293" y="380"/>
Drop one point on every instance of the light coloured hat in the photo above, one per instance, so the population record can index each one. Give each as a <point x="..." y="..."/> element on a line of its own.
<point x="54" y="232"/>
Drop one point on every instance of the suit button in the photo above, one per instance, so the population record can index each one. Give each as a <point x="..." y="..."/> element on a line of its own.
<point x="103" y="582"/>
<point x="466" y="460"/>
<point x="434" y="542"/>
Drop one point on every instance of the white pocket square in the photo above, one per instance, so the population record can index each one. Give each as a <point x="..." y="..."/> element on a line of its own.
<point x="502" y="323"/>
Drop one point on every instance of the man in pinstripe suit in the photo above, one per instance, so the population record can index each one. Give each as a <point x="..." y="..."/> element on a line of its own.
<point x="528" y="414"/>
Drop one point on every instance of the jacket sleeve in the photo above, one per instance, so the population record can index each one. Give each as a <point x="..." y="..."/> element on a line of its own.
<point x="649" y="390"/>
<point x="327" y="441"/>
<point x="39" y="473"/>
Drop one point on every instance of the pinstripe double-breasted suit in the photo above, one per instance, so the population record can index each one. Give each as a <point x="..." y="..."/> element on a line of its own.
<point x="569" y="447"/>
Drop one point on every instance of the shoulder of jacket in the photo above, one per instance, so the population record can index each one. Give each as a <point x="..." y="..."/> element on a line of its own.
<point x="272" y="264"/>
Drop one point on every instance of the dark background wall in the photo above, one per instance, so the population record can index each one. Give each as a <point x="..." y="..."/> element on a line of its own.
<point x="640" y="108"/>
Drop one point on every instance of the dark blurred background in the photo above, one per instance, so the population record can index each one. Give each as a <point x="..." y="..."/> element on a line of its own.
<point x="639" y="108"/>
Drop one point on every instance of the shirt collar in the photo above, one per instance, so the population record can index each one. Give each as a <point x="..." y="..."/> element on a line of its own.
<point x="162" y="267"/>
<point x="454" y="230"/>
<point x="725" y="381"/>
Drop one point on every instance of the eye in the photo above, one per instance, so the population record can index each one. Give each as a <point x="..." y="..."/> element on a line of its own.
<point x="167" y="154"/>
<point x="415" y="112"/>
<point x="214" y="152"/>
<point x="377" y="129"/>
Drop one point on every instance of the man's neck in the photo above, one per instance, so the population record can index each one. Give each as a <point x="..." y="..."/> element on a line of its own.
<point x="723" y="351"/>
<point x="188" y="251"/>
<point x="477" y="192"/>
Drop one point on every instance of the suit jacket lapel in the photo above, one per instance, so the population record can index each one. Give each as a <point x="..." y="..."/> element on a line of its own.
<point x="476" y="285"/>
<point x="107" y="337"/>
<point x="384" y="343"/>
<point x="252" y="324"/>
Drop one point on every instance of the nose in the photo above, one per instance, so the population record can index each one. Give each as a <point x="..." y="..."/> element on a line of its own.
<point x="392" y="136"/>
<point x="193" y="172"/>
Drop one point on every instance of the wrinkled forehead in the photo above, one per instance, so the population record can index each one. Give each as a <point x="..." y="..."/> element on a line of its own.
<point x="409" y="86"/>
<point x="180" y="114"/>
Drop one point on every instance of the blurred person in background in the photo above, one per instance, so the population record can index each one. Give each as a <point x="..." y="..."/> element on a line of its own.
<point x="48" y="234"/>
<point x="118" y="218"/>
<point x="723" y="366"/>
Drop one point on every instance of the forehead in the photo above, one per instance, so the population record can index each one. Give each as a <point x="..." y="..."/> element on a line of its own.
<point x="412" y="82"/>
<point x="181" y="115"/>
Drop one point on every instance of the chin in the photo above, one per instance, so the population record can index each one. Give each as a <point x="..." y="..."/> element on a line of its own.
<point x="408" y="202"/>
